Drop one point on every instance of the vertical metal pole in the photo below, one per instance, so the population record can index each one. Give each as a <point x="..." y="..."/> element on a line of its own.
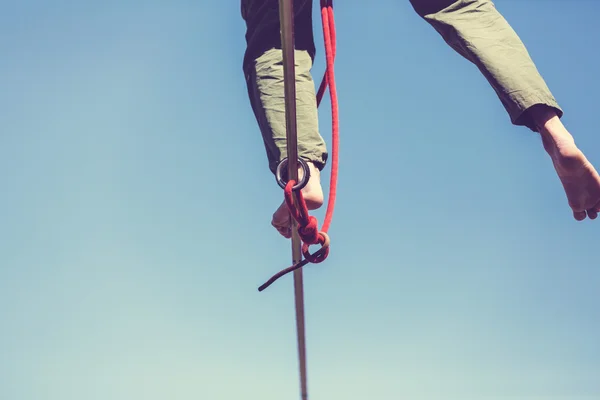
<point x="286" y="18"/>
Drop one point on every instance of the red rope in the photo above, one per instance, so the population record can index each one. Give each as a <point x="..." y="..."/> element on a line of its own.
<point x="307" y="224"/>
<point x="330" y="50"/>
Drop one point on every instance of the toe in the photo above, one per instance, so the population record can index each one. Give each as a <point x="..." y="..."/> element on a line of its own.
<point x="579" y="215"/>
<point x="283" y="230"/>
<point x="592" y="213"/>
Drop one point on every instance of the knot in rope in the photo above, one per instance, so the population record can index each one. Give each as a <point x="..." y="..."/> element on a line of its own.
<point x="308" y="226"/>
<point x="310" y="232"/>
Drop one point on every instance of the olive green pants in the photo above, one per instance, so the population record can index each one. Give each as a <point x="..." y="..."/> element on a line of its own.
<point x="474" y="28"/>
<point x="266" y="92"/>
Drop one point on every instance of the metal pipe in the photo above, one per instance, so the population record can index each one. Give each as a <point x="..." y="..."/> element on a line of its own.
<point x="286" y="18"/>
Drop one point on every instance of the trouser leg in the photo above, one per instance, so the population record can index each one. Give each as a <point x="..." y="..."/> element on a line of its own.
<point x="477" y="31"/>
<point x="264" y="78"/>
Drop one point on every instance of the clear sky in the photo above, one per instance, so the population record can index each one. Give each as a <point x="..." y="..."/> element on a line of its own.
<point x="136" y="201"/>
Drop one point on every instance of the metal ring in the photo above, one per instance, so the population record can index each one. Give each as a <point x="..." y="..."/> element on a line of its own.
<point x="298" y="186"/>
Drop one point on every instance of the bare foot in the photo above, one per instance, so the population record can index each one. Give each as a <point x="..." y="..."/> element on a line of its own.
<point x="313" y="195"/>
<point x="578" y="176"/>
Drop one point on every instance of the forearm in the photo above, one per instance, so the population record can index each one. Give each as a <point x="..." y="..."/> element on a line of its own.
<point x="477" y="31"/>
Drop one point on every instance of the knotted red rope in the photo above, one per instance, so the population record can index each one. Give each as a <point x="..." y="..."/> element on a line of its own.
<point x="307" y="224"/>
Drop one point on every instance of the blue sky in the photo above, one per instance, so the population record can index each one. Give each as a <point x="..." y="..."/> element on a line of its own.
<point x="136" y="205"/>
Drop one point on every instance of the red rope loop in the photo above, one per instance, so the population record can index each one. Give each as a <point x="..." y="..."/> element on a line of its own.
<point x="321" y="254"/>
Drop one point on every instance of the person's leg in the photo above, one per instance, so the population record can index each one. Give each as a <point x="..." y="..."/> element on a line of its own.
<point x="263" y="67"/>
<point x="578" y="176"/>
<point x="477" y="31"/>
